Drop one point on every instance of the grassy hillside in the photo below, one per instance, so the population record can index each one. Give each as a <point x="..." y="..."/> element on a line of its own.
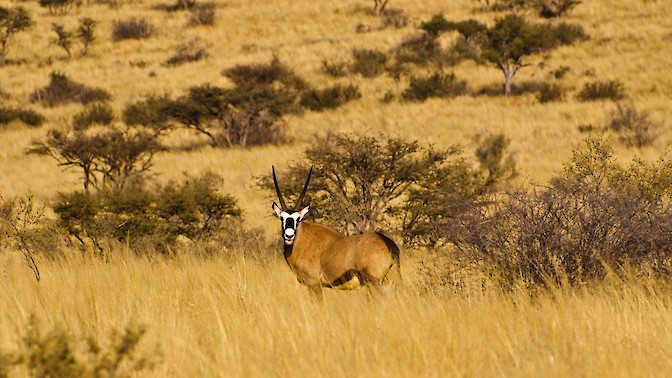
<point x="240" y="316"/>
<point x="628" y="43"/>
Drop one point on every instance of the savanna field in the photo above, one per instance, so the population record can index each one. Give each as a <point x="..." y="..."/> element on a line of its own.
<point x="215" y="307"/>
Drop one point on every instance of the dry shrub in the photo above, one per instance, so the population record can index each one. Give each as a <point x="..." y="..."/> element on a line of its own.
<point x="368" y="63"/>
<point x="134" y="28"/>
<point x="191" y="51"/>
<point x="203" y="14"/>
<point x="329" y="98"/>
<point x="27" y="116"/>
<point x="602" y="90"/>
<point x="596" y="216"/>
<point x="435" y="85"/>
<point x="62" y="90"/>
<point x="635" y="128"/>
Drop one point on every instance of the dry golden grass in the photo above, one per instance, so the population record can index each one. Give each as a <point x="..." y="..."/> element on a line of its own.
<point x="230" y="316"/>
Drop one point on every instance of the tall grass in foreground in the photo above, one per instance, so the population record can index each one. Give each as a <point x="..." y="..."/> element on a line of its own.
<point x="238" y="316"/>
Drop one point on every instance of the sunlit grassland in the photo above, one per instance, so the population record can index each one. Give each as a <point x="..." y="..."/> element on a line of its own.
<point x="231" y="316"/>
<point x="234" y="316"/>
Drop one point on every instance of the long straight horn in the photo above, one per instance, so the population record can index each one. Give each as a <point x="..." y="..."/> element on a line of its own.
<point x="277" y="190"/>
<point x="305" y="187"/>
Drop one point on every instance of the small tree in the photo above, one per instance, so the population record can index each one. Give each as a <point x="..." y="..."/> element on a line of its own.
<point x="12" y="21"/>
<point x="63" y="38"/>
<point x="510" y="41"/>
<point x="109" y="157"/>
<point x="358" y="180"/>
<point x="85" y="33"/>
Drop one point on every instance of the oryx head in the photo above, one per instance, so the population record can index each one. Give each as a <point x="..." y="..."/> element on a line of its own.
<point x="290" y="217"/>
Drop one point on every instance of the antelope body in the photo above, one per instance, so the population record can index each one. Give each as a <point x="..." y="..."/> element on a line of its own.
<point x="321" y="257"/>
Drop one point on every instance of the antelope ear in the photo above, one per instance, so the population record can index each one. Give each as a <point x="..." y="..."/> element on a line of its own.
<point x="277" y="209"/>
<point x="303" y="212"/>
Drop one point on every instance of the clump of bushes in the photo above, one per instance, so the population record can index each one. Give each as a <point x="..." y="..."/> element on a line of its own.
<point x="62" y="90"/>
<point x="150" y="219"/>
<point x="602" y="90"/>
<point x="134" y="28"/>
<point x="329" y="98"/>
<point x="435" y="85"/>
<point x="27" y="116"/>
<point x="335" y="69"/>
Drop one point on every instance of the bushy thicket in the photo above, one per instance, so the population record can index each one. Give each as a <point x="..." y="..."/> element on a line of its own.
<point x="602" y="90"/>
<point x="133" y="28"/>
<point x="329" y="98"/>
<point x="596" y="216"/>
<point x="150" y="220"/>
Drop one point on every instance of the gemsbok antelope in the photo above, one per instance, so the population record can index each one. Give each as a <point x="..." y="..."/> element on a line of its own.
<point x="321" y="257"/>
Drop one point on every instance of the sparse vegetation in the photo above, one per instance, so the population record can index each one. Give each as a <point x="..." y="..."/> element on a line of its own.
<point x="635" y="128"/>
<point x="63" y="38"/>
<point x="62" y="90"/>
<point x="12" y="21"/>
<point x="86" y="33"/>
<point x="368" y="63"/>
<point x="203" y="14"/>
<point x="602" y="90"/>
<point x="133" y="28"/>
<point x="329" y="98"/>
<point x="59" y="6"/>
<point x="435" y="85"/>
<point x="191" y="51"/>
<point x="27" y="116"/>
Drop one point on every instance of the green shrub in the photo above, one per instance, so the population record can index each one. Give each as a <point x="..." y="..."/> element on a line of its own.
<point x="329" y="98"/>
<point x="27" y="116"/>
<point x="368" y="63"/>
<point x="133" y="28"/>
<point x="98" y="113"/>
<point x="193" y="209"/>
<point x="602" y="90"/>
<point x="62" y="90"/>
<point x="435" y="85"/>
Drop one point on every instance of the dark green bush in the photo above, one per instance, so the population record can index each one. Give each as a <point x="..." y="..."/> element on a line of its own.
<point x="435" y="85"/>
<point x="62" y="90"/>
<point x="193" y="209"/>
<point x="329" y="98"/>
<point x="421" y="50"/>
<point x="98" y="113"/>
<point x="602" y="90"/>
<point x="134" y="28"/>
<point x="27" y="116"/>
<point x="368" y="63"/>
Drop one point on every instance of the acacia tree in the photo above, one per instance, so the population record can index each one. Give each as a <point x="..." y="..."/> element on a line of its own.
<point x="511" y="41"/>
<point x="359" y="182"/>
<point x="12" y="21"/>
<point x="109" y="157"/>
